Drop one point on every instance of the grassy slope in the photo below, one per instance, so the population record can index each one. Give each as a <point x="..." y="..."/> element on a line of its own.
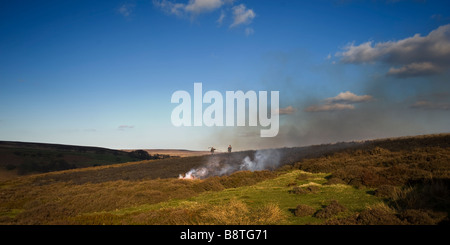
<point x="132" y="193"/>
<point x="254" y="198"/>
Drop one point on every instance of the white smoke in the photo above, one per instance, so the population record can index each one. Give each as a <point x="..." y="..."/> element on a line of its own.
<point x="262" y="160"/>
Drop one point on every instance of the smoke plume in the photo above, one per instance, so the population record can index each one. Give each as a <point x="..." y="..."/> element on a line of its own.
<point x="226" y="164"/>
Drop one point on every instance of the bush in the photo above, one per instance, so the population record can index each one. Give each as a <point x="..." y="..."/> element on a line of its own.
<point x="331" y="210"/>
<point x="359" y="175"/>
<point x="304" y="210"/>
<point x="432" y="195"/>
<point x="378" y="216"/>
<point x="304" y="190"/>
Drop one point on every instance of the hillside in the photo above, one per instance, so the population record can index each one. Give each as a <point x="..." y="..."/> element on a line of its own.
<point x="22" y="158"/>
<point x="387" y="181"/>
<point x="174" y="152"/>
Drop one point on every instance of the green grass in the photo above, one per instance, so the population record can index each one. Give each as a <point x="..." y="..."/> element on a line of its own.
<point x="12" y="213"/>
<point x="274" y="191"/>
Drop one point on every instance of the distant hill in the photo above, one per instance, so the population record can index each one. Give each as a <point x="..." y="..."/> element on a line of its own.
<point x="174" y="152"/>
<point x="19" y="158"/>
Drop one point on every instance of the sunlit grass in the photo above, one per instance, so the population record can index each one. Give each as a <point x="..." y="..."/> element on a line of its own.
<point x="273" y="194"/>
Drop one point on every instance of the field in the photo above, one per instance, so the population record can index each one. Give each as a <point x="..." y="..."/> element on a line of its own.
<point x="387" y="181"/>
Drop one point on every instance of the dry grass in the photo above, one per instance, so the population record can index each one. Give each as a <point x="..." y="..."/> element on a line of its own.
<point x="55" y="201"/>
<point x="416" y="168"/>
<point x="234" y="212"/>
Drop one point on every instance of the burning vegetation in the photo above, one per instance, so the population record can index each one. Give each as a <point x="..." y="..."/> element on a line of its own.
<point x="225" y="164"/>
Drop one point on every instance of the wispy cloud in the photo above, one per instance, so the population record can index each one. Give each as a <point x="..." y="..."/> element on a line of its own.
<point x="203" y="6"/>
<point x="170" y="7"/>
<point x="414" y="70"/>
<point x="192" y="8"/>
<point x="412" y="56"/>
<point x="343" y="101"/>
<point x="126" y="9"/>
<point x="242" y="15"/>
<point x="428" y="105"/>
<point x="286" y="111"/>
<point x="330" y="107"/>
<point x="249" y="31"/>
<point x="221" y="18"/>
<point x="349" y="97"/>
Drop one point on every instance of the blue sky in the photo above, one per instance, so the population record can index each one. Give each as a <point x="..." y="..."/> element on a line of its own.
<point x="102" y="73"/>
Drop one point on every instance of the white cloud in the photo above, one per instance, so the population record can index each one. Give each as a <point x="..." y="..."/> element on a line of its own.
<point x="348" y="97"/>
<point x="221" y="18"/>
<point x="414" y="69"/>
<point x="192" y="7"/>
<point x="203" y="6"/>
<point x="286" y="111"/>
<point x="343" y="101"/>
<point x="330" y="107"/>
<point x="242" y="15"/>
<point x="414" y="56"/>
<point x="170" y="7"/>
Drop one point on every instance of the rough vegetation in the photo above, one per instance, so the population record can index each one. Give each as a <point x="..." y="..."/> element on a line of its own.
<point x="330" y="210"/>
<point x="392" y="181"/>
<point x="304" y="210"/>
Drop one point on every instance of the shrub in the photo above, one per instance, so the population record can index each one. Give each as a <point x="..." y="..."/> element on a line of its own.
<point x="304" y="190"/>
<point x="432" y="195"/>
<point x="359" y="175"/>
<point x="303" y="210"/>
<point x="378" y="216"/>
<point x="329" y="211"/>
